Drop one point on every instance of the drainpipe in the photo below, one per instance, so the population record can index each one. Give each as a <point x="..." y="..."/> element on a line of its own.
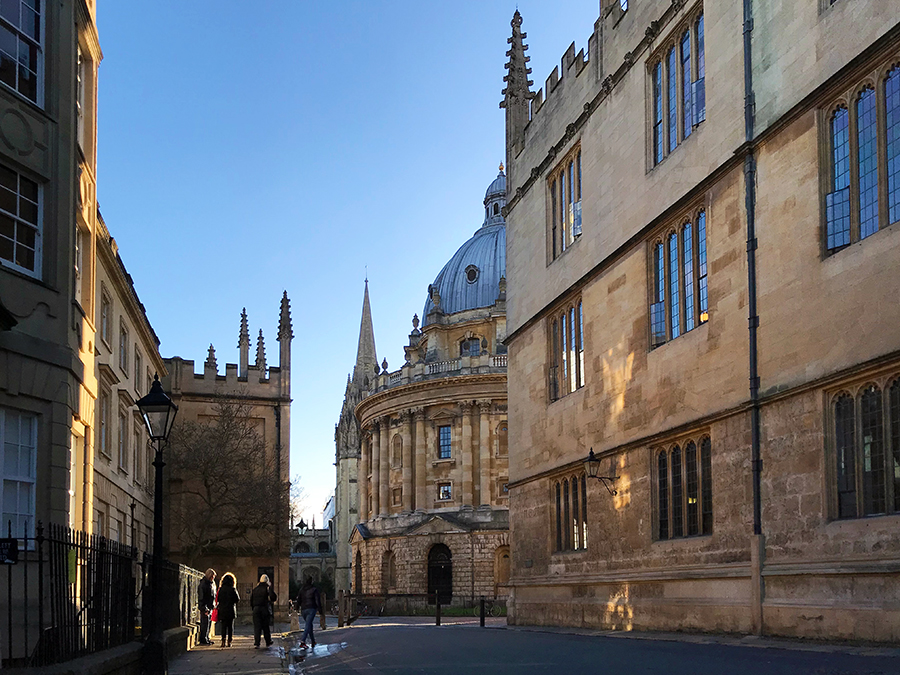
<point x="757" y="550"/>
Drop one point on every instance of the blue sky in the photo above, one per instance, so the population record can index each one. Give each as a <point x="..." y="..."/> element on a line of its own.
<point x="249" y="148"/>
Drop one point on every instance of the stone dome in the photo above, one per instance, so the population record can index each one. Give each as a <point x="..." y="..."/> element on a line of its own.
<point x="471" y="279"/>
<point x="497" y="187"/>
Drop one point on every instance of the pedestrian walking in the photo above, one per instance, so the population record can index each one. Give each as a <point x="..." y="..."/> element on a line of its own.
<point x="207" y="601"/>
<point x="226" y="607"/>
<point x="310" y="601"/>
<point x="260" y="597"/>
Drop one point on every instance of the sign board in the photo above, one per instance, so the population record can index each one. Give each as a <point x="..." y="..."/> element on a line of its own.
<point x="9" y="551"/>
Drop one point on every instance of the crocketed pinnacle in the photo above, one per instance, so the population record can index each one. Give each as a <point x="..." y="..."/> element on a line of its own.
<point x="260" y="351"/>
<point x="285" y="327"/>
<point x="244" y="335"/>
<point x="517" y="94"/>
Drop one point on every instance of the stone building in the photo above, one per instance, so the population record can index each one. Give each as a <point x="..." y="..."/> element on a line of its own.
<point x="126" y="359"/>
<point x="266" y="391"/>
<point x="313" y="555"/>
<point x="347" y="444"/>
<point x="49" y="234"/>
<point x="702" y="261"/>
<point x="433" y="457"/>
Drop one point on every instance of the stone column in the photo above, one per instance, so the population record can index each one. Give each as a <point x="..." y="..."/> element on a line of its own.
<point x="376" y="462"/>
<point x="468" y="465"/>
<point x="484" y="446"/>
<point x="421" y="460"/>
<point x="384" y="467"/>
<point x="363" y="478"/>
<point x="407" y="459"/>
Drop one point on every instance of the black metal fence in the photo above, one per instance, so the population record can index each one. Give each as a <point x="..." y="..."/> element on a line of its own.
<point x="178" y="593"/>
<point x="417" y="604"/>
<point x="70" y="594"/>
<point x="67" y="595"/>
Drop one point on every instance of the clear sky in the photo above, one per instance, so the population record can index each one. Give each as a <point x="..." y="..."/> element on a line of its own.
<point x="246" y="148"/>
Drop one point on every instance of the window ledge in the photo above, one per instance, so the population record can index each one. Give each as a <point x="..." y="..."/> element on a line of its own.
<point x="696" y="130"/>
<point x="578" y="552"/>
<point x="448" y="462"/>
<point x="683" y="541"/>
<point x="568" y="396"/>
<point x="568" y="248"/>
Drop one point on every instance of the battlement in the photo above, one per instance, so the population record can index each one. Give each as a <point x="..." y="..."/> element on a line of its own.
<point x="571" y="65"/>
<point x="241" y="380"/>
<point x="256" y="383"/>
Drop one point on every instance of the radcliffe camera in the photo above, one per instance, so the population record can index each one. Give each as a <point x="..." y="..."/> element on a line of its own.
<point x="631" y="267"/>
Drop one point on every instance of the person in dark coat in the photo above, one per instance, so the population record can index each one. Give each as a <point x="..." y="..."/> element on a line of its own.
<point x="260" y="597"/>
<point x="310" y="601"/>
<point x="226" y="603"/>
<point x="207" y="601"/>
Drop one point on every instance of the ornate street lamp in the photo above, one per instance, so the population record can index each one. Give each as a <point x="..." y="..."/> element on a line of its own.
<point x="301" y="527"/>
<point x="592" y="469"/>
<point x="159" y="413"/>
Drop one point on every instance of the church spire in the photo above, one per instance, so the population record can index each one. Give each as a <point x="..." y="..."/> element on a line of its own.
<point x="244" y="344"/>
<point x="517" y="94"/>
<point x="365" y="352"/>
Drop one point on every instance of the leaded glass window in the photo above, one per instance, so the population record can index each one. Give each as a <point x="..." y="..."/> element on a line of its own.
<point x="868" y="163"/>
<point x="845" y="452"/>
<point x="684" y="489"/>
<point x="674" y="307"/>
<point x="687" y="248"/>
<point x="892" y="126"/>
<point x="662" y="468"/>
<point x="672" y="98"/>
<point x="873" y="482"/>
<point x="677" y="494"/>
<point x="657" y="114"/>
<point x="686" y="82"/>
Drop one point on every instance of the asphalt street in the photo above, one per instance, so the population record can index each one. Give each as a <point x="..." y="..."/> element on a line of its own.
<point x="399" y="649"/>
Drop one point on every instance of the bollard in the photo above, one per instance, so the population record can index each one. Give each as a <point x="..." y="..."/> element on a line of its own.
<point x="322" y="624"/>
<point x="437" y="611"/>
<point x="481" y="614"/>
<point x="341" y="609"/>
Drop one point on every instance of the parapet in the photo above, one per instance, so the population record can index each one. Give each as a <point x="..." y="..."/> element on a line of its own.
<point x="183" y="379"/>
<point x="571" y="65"/>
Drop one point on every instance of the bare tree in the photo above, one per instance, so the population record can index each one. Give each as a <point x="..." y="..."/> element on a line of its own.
<point x="226" y="492"/>
<point x="298" y="500"/>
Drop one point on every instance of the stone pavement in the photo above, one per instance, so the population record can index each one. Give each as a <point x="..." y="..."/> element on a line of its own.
<point x="241" y="657"/>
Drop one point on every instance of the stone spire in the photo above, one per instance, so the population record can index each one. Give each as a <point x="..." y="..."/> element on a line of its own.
<point x="365" y="351"/>
<point x="261" y="355"/>
<point x="244" y="344"/>
<point x="517" y="94"/>
<point x="285" y="334"/>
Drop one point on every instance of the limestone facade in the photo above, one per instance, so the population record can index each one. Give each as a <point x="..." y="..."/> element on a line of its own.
<point x="433" y="460"/>
<point x="126" y="360"/>
<point x="266" y="390"/>
<point x="745" y="210"/>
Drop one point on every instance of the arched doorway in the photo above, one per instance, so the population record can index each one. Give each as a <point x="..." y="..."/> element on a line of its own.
<point x="357" y="583"/>
<point x="501" y="571"/>
<point x="440" y="574"/>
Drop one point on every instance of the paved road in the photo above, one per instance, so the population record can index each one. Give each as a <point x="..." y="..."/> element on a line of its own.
<point x="406" y="649"/>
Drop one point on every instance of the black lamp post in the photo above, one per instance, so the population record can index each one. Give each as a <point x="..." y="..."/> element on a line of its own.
<point x="159" y="413"/>
<point x="592" y="469"/>
<point x="301" y="527"/>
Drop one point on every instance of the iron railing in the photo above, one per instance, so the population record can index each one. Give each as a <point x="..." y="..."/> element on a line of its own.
<point x="71" y="594"/>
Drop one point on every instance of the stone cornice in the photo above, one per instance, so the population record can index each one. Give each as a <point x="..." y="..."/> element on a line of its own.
<point x="424" y="387"/>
